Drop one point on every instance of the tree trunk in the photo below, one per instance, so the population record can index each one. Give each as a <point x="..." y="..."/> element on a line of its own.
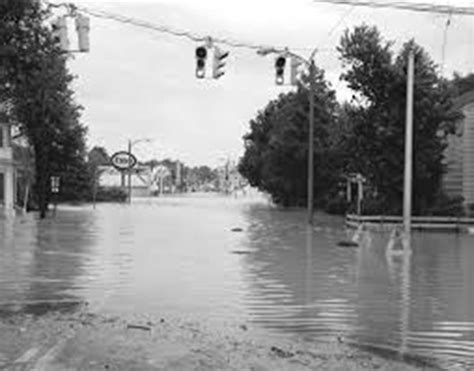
<point x="42" y="180"/>
<point x="26" y="197"/>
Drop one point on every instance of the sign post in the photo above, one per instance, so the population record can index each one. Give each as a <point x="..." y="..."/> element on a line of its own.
<point x="125" y="161"/>
<point x="55" y="190"/>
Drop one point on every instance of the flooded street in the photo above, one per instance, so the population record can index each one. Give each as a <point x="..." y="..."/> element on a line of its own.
<point x="181" y="256"/>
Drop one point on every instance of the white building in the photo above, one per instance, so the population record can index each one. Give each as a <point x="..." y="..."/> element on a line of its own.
<point x="7" y="167"/>
<point x="459" y="156"/>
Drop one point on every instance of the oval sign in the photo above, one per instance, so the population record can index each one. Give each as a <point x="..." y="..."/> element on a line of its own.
<point x="123" y="160"/>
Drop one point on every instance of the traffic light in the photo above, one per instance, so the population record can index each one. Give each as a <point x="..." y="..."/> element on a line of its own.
<point x="83" y="27"/>
<point x="219" y="62"/>
<point x="280" y="69"/>
<point x="295" y="64"/>
<point x="201" y="55"/>
<point x="59" y="31"/>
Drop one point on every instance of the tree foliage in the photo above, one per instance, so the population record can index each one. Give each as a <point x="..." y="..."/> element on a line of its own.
<point x="376" y="147"/>
<point x="276" y="148"/>
<point x="38" y="88"/>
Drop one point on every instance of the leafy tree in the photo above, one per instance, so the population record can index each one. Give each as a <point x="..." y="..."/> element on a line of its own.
<point x="376" y="148"/>
<point x="37" y="83"/>
<point x="276" y="148"/>
<point x="463" y="84"/>
<point x="99" y="156"/>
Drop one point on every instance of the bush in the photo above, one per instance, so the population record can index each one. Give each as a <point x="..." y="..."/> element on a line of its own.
<point x="336" y="205"/>
<point x="111" y="194"/>
<point x="447" y="206"/>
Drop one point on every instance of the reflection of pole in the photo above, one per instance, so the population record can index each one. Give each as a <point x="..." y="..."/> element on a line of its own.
<point x="311" y="142"/>
<point x="309" y="265"/>
<point x="407" y="192"/>
<point x="129" y="174"/>
<point x="406" y="302"/>
<point x="94" y="191"/>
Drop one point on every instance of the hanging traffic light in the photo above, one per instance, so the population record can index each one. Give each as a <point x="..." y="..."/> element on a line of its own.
<point x="219" y="62"/>
<point x="59" y="32"/>
<point x="280" y="69"/>
<point x="83" y="27"/>
<point x="201" y="55"/>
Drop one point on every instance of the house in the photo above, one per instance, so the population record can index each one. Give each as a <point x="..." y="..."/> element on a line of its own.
<point x="458" y="179"/>
<point x="141" y="180"/>
<point x="7" y="167"/>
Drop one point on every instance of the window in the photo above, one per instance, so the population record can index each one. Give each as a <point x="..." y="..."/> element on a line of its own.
<point x="1" y="137"/>
<point x="2" y="188"/>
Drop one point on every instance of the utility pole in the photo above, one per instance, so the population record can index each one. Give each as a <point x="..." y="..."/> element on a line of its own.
<point x="310" y="200"/>
<point x="129" y="174"/>
<point x="311" y="94"/>
<point x="407" y="191"/>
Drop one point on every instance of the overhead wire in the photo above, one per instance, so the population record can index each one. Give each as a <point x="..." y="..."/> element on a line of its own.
<point x="403" y="5"/>
<point x="170" y="30"/>
<point x="445" y="42"/>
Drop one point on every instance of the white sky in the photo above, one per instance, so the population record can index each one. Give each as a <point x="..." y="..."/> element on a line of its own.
<point x="137" y="83"/>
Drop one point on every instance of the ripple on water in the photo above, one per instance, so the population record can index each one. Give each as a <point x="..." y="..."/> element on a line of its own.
<point x="179" y="255"/>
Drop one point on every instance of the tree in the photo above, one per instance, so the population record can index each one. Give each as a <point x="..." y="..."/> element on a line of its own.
<point x="276" y="148"/>
<point x="376" y="148"/>
<point x="99" y="156"/>
<point x="463" y="84"/>
<point x="37" y="83"/>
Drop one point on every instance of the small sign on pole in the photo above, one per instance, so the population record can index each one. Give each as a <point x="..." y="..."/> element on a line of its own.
<point x="55" y="184"/>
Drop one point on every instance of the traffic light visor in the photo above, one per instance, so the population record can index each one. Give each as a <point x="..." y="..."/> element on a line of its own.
<point x="280" y="62"/>
<point x="201" y="52"/>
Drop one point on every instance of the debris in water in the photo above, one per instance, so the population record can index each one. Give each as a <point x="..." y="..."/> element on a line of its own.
<point x="240" y="252"/>
<point x="237" y="229"/>
<point x="347" y="244"/>
<point x="139" y="327"/>
<point x="282" y="353"/>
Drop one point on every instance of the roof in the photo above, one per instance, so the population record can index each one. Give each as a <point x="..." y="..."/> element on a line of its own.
<point x="464" y="99"/>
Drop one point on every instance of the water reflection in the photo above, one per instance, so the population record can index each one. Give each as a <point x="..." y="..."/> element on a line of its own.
<point x="418" y="302"/>
<point x="180" y="255"/>
<point x="42" y="261"/>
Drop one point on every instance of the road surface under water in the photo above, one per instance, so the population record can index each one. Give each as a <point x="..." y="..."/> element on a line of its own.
<point x="180" y="255"/>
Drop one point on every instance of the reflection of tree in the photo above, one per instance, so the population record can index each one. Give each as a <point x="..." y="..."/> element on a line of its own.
<point x="17" y="241"/>
<point x="62" y="245"/>
<point x="304" y="283"/>
<point x="297" y="281"/>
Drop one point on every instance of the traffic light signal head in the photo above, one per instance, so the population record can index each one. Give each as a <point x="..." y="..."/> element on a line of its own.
<point x="201" y="55"/>
<point x="83" y="27"/>
<point x="59" y="31"/>
<point x="219" y="62"/>
<point x="280" y="69"/>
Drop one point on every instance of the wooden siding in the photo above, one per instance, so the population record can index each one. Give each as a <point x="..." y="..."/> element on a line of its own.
<point x="468" y="154"/>
<point x="458" y="179"/>
<point x="452" y="180"/>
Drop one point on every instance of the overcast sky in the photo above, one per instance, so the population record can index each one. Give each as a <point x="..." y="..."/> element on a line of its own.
<point x="136" y="83"/>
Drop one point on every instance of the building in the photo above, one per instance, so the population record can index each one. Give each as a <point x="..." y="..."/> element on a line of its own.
<point x="7" y="167"/>
<point x="141" y="180"/>
<point x="459" y="156"/>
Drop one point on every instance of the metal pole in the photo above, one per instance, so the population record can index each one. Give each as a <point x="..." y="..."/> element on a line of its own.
<point x="407" y="192"/>
<point x="311" y="143"/>
<point x="129" y="174"/>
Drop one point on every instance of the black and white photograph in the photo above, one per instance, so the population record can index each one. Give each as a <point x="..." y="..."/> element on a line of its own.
<point x="236" y="185"/>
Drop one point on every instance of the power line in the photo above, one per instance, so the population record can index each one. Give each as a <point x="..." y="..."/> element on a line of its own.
<point x="170" y="30"/>
<point x="445" y="42"/>
<point x="417" y="7"/>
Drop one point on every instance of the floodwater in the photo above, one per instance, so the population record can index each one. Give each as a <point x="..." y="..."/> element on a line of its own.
<point x="179" y="255"/>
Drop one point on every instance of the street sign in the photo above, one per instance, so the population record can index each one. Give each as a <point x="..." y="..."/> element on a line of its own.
<point x="123" y="160"/>
<point x="55" y="184"/>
